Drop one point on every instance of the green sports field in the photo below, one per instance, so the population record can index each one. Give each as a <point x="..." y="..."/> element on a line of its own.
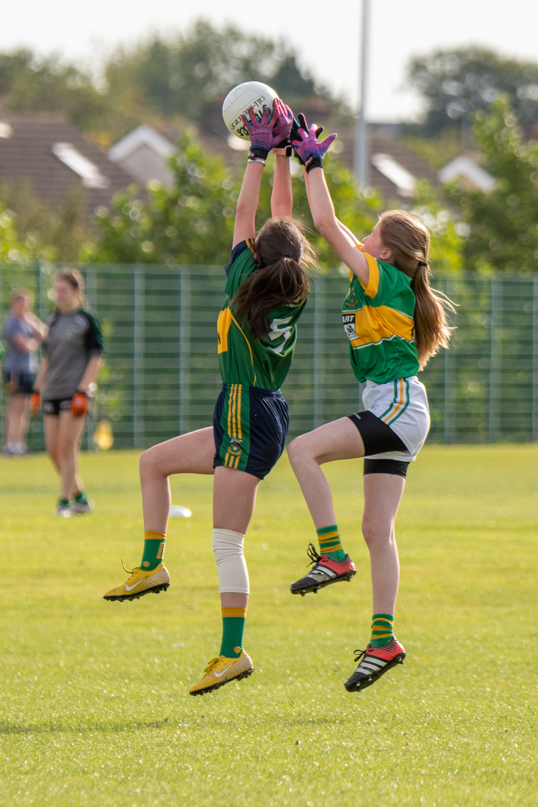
<point x="95" y="707"/>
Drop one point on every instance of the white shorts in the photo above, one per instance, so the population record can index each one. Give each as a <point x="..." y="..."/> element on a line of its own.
<point x="402" y="405"/>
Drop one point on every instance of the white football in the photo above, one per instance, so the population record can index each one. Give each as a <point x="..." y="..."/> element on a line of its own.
<point x="239" y="100"/>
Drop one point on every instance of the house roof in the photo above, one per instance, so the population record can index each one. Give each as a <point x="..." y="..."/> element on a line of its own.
<point x="394" y="169"/>
<point x="52" y="156"/>
<point x="467" y="169"/>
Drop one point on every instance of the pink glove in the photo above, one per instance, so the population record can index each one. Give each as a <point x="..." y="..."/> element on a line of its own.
<point x="283" y="124"/>
<point x="309" y="149"/>
<point x="261" y="134"/>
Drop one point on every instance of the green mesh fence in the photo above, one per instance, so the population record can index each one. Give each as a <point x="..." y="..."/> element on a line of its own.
<point x="161" y="376"/>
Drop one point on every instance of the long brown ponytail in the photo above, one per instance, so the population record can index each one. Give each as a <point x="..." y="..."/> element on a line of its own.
<point x="409" y="241"/>
<point x="282" y="251"/>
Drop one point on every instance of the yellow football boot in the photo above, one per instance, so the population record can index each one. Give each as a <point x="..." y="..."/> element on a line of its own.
<point x="140" y="583"/>
<point x="221" y="671"/>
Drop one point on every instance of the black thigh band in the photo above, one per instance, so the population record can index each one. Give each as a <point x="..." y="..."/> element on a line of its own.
<point x="376" y="435"/>
<point x="393" y="467"/>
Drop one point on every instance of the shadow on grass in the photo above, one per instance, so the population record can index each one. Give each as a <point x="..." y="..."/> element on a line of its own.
<point x="11" y="729"/>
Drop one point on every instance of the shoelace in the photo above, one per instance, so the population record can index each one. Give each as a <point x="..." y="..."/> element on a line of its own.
<point x="211" y="666"/>
<point x="129" y="571"/>
<point x="313" y="554"/>
<point x="359" y="654"/>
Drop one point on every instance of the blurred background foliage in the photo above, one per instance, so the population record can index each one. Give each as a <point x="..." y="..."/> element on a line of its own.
<point x="473" y="99"/>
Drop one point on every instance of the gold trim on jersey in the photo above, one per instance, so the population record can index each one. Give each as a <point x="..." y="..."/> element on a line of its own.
<point x="223" y="326"/>
<point x="372" y="325"/>
<point x="370" y="288"/>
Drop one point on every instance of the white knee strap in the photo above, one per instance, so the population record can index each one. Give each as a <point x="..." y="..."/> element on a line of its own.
<point x="232" y="569"/>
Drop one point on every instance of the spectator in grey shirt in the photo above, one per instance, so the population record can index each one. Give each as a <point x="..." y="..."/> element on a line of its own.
<point x="72" y="354"/>
<point x="23" y="333"/>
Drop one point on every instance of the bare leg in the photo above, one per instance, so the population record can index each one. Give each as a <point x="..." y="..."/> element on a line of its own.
<point x="234" y="498"/>
<point x="70" y="430"/>
<point x="17" y="419"/>
<point x="188" y="454"/>
<point x="51" y="426"/>
<point x="382" y="496"/>
<point x="339" y="440"/>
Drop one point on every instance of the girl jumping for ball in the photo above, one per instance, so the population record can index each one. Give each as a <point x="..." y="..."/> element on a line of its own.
<point x="394" y="322"/>
<point x="266" y="291"/>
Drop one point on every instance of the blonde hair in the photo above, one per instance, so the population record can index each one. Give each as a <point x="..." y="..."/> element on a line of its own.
<point x="409" y="241"/>
<point x="75" y="280"/>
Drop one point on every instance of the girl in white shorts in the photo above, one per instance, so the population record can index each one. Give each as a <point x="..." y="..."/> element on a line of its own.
<point x="394" y="322"/>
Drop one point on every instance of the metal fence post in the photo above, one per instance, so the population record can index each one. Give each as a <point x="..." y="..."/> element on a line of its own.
<point x="138" y="358"/>
<point x="448" y="420"/>
<point x="494" y="359"/>
<point x="535" y="358"/>
<point x="319" y="351"/>
<point x="184" y="348"/>
<point x="91" y="303"/>
<point x="41" y="307"/>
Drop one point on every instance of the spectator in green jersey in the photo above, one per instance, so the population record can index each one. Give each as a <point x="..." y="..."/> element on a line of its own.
<point x="72" y="356"/>
<point x="266" y="291"/>
<point x="394" y="322"/>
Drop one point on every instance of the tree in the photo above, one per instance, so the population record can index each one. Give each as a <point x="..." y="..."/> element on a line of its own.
<point x="12" y="249"/>
<point x="446" y="230"/>
<point x="180" y="74"/>
<point x="166" y="77"/>
<point x="504" y="223"/>
<point x="456" y="83"/>
<point x="47" y="234"/>
<point x="46" y="84"/>
<point x="192" y="222"/>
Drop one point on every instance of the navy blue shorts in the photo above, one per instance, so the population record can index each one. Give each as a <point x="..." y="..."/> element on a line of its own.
<point x="19" y="383"/>
<point x="250" y="426"/>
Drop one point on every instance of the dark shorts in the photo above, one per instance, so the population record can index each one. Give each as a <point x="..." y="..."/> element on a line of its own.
<point x="19" y="383"/>
<point x="250" y="426"/>
<point x="379" y="438"/>
<point x="57" y="405"/>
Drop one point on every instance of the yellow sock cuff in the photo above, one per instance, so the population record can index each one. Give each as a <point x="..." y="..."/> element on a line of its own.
<point x="240" y="612"/>
<point x="149" y="535"/>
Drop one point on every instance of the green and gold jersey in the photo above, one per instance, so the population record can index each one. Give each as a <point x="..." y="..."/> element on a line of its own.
<point x="378" y="321"/>
<point x="260" y="363"/>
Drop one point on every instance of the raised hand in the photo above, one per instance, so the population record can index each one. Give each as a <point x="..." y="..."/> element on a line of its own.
<point x="262" y="138"/>
<point x="308" y="149"/>
<point x="283" y="125"/>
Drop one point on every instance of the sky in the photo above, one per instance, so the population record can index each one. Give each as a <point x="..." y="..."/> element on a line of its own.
<point x="326" y="34"/>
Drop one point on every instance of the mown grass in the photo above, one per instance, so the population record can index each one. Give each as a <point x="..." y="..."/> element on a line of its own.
<point x="94" y="704"/>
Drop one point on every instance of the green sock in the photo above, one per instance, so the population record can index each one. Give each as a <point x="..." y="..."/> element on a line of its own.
<point x="153" y="550"/>
<point x="382" y="630"/>
<point x="233" y="627"/>
<point x="329" y="543"/>
<point x="80" y="497"/>
<point x="63" y="502"/>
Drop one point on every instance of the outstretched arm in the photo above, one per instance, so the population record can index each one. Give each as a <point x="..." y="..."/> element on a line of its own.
<point x="333" y="231"/>
<point x="262" y="140"/>
<point x="311" y="152"/>
<point x="247" y="204"/>
<point x="281" y="197"/>
<point x="340" y="224"/>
